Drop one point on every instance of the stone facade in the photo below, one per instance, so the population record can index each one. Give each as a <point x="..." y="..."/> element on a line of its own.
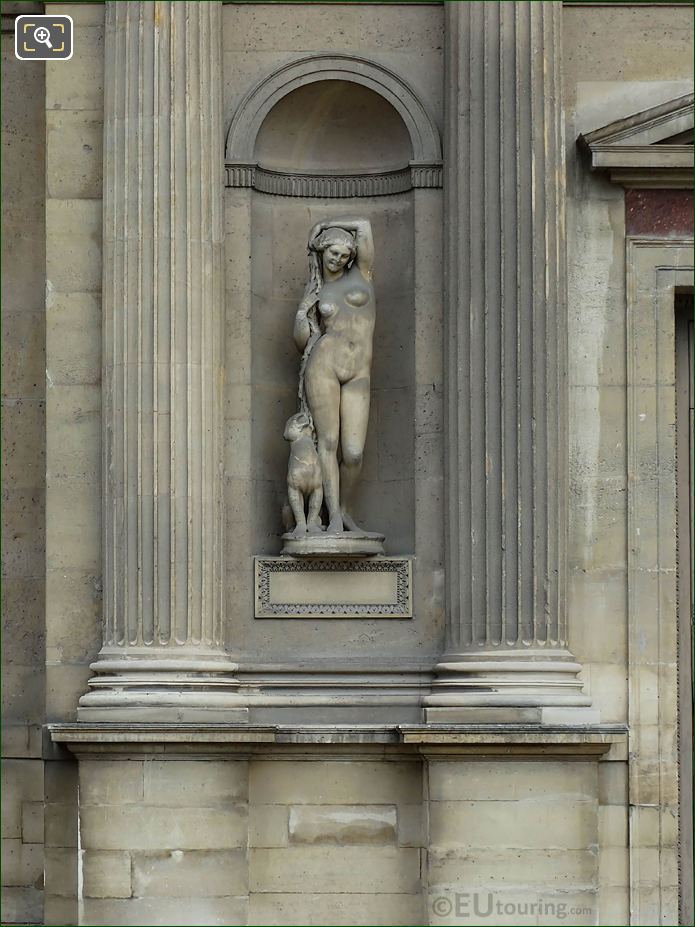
<point x="507" y="746"/>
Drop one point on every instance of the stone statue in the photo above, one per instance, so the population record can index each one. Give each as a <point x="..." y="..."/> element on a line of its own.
<point x="334" y="328"/>
<point x="304" y="482"/>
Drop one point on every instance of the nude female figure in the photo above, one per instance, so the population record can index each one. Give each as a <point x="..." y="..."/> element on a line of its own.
<point x="335" y="373"/>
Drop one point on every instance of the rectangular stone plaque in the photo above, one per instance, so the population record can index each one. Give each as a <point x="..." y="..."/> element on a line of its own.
<point x="373" y="587"/>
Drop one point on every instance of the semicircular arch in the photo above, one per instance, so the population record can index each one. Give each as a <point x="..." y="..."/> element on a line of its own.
<point x="259" y="101"/>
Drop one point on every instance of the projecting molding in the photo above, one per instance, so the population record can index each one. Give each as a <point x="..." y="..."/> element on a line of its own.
<point x="653" y="148"/>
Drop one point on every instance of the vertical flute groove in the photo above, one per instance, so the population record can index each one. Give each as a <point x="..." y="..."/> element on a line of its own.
<point x="506" y="327"/>
<point x="162" y="302"/>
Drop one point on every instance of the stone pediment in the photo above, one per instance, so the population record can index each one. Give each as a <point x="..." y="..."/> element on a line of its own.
<point x="652" y="148"/>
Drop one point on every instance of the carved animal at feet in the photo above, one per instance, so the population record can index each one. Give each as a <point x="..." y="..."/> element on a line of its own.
<point x="304" y="480"/>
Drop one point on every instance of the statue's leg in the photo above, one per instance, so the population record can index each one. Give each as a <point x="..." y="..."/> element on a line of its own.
<point x="314" y="520"/>
<point x="297" y="503"/>
<point x="354" y="418"/>
<point x="323" y="394"/>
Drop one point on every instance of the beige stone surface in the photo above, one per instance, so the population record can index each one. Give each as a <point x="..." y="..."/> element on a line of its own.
<point x="350" y="869"/>
<point x="502" y="869"/>
<point x="186" y="873"/>
<point x="193" y="911"/>
<point x="343" y="825"/>
<point x="61" y="871"/>
<point x="74" y="165"/>
<point x="120" y="827"/>
<point x="23" y="484"/>
<point x="563" y="824"/>
<point x="22" y="863"/>
<point x="111" y="782"/>
<point x="339" y="909"/>
<point x="512" y="781"/>
<point x="268" y="825"/>
<point x="195" y="783"/>
<point x="339" y="782"/>
<point x="106" y="874"/>
<point x="23" y="905"/>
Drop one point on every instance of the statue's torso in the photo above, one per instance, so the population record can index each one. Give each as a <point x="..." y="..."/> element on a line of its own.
<point x="348" y="312"/>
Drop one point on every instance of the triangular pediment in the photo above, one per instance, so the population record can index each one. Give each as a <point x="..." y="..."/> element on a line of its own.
<point x="652" y="148"/>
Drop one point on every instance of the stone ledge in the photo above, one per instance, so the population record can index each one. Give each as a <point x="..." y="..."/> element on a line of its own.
<point x="470" y="739"/>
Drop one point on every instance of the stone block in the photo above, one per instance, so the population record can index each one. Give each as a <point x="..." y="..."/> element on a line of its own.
<point x="78" y="84"/>
<point x="22" y="693"/>
<point x="598" y="615"/>
<point x="74" y="632"/>
<point x="607" y="684"/>
<point x="412" y="831"/>
<point x="60" y="781"/>
<point x="73" y="338"/>
<point x="188" y="912"/>
<point x="334" y="782"/>
<point x="23" y="353"/>
<point x="73" y="526"/>
<point x="73" y="243"/>
<point x="32" y="822"/>
<point x="396" y="437"/>
<point x="453" y="869"/>
<point x="511" y="780"/>
<point x="73" y="438"/>
<point x="532" y="825"/>
<point x="23" y="621"/>
<point x="182" y="874"/>
<point x="111" y="782"/>
<point x="20" y="740"/>
<point x="23" y="905"/>
<point x="195" y="783"/>
<point x="60" y="825"/>
<point x="106" y="874"/>
<point x="614" y="906"/>
<point x="120" y="827"/>
<point x="74" y="153"/>
<point x="65" y="683"/>
<point x="23" y="779"/>
<point x="61" y="871"/>
<point x="343" y="824"/>
<point x="613" y="866"/>
<point x="23" y="535"/>
<point x="342" y="910"/>
<point x="59" y="911"/>
<point x="268" y="825"/>
<point x="612" y="825"/>
<point x="348" y="869"/>
<point x="612" y="783"/>
<point x="11" y="815"/>
<point x="22" y="863"/>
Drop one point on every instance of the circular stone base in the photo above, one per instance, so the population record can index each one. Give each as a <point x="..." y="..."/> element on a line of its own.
<point x="347" y="544"/>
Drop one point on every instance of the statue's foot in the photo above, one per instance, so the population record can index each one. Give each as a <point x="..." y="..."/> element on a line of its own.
<point x="313" y="530"/>
<point x="335" y="527"/>
<point x="299" y="532"/>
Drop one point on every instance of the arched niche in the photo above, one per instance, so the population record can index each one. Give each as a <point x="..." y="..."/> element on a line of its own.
<point x="258" y="102"/>
<point x="336" y="135"/>
<point x="334" y="124"/>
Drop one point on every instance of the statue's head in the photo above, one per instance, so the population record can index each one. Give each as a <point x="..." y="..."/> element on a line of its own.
<point x="296" y="426"/>
<point x="337" y="248"/>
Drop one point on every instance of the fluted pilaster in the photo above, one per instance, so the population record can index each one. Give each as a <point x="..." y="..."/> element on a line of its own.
<point x="162" y="360"/>
<point x="506" y="365"/>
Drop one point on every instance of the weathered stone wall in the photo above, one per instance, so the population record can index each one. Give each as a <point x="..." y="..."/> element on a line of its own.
<point x="23" y="478"/>
<point x="226" y="838"/>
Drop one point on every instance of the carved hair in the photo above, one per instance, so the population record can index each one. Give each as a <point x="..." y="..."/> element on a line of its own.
<point x="330" y="236"/>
